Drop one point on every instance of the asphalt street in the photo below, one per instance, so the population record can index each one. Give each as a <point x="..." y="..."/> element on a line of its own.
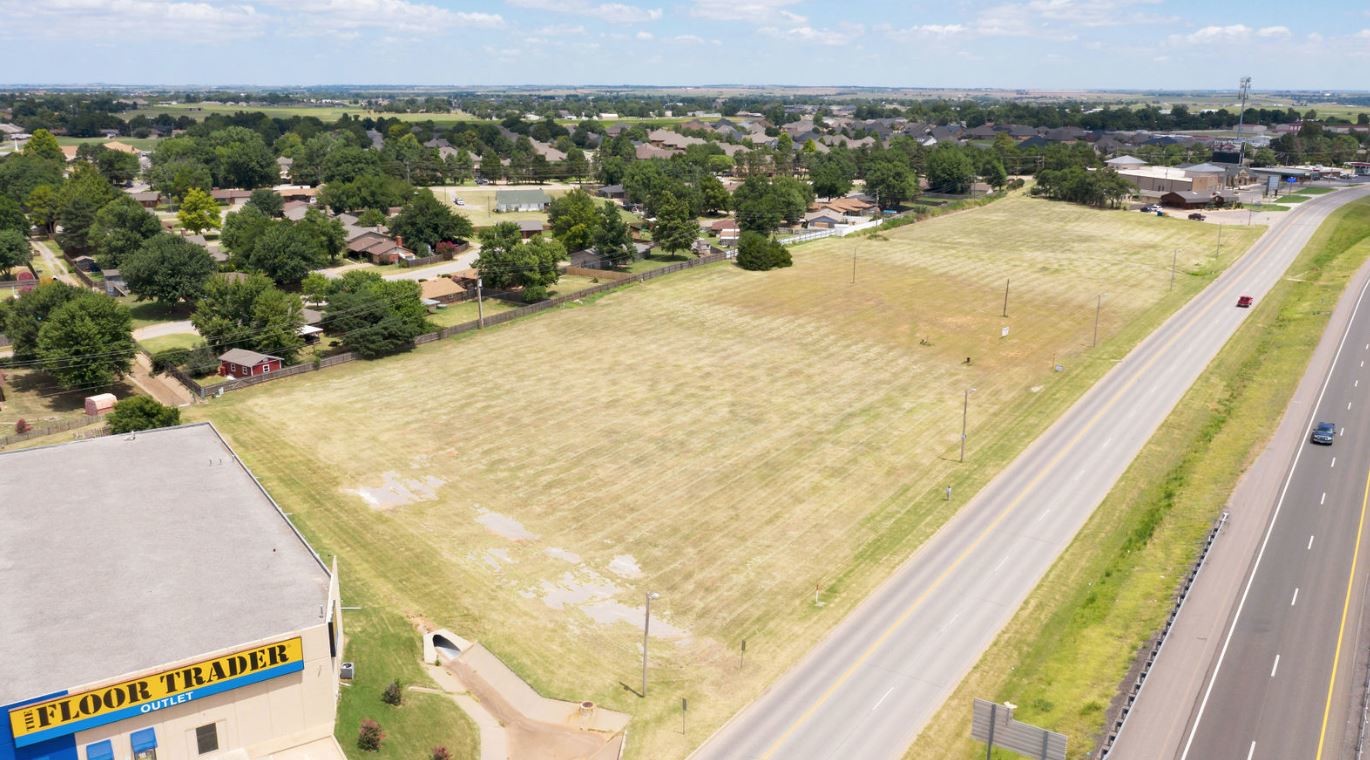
<point x="1273" y="694"/>
<point x="870" y="686"/>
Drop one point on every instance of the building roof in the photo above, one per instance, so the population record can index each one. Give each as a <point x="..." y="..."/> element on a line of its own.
<point x="154" y="548"/>
<point x="533" y="197"/>
<point x="439" y="287"/>
<point x="1192" y="196"/>
<point x="1125" y="161"/>
<point x="531" y="225"/>
<point x="1156" y="172"/>
<point x="122" y="147"/>
<point x="1205" y="168"/>
<point x="149" y="196"/>
<point x="245" y="358"/>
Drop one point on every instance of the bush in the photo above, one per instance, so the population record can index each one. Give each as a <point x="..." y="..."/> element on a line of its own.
<point x="22" y="426"/>
<point x="171" y="358"/>
<point x="446" y="249"/>
<point x="201" y="361"/>
<point x="757" y="252"/>
<point x="370" y="736"/>
<point x="440" y="753"/>
<point x="534" y="293"/>
<point x="141" y="413"/>
<point x="393" y="694"/>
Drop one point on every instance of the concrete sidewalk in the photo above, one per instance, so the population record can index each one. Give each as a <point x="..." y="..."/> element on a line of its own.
<point x="1160" y="720"/>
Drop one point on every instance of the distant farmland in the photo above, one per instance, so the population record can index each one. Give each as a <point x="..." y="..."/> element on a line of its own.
<point x="732" y="440"/>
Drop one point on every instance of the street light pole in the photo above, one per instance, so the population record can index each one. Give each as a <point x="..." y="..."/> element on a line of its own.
<point x="646" y="624"/>
<point x="480" y="304"/>
<point x="965" y="413"/>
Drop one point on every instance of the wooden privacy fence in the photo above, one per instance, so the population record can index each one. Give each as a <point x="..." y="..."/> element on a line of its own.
<point x="48" y="428"/>
<point x="203" y="391"/>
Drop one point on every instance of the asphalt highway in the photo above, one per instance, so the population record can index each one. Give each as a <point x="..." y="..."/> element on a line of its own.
<point x="870" y="686"/>
<point x="1286" y="671"/>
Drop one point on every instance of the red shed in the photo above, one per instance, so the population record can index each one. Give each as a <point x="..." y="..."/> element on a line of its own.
<point x="240" y="362"/>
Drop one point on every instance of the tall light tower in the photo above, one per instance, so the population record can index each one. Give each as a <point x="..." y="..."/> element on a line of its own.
<point x="1242" y="92"/>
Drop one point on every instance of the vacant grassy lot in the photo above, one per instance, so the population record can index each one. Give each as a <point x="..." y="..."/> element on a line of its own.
<point x="31" y="395"/>
<point x="168" y="342"/>
<point x="479" y="203"/>
<point x="1065" y="653"/>
<point x="729" y="439"/>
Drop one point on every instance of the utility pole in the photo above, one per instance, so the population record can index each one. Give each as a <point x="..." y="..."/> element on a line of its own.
<point x="646" y="624"/>
<point x="480" y="305"/>
<point x="853" y="267"/>
<point x="965" y="413"/>
<point x="1097" y="308"/>
<point x="1006" y="284"/>
<point x="1173" y="256"/>
<point x="1243" y="88"/>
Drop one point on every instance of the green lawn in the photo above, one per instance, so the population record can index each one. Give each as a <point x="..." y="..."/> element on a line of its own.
<point x="656" y="261"/>
<point x="386" y="647"/>
<point x="1291" y="199"/>
<point x="141" y="143"/>
<point x="1063" y="656"/>
<point x="151" y="312"/>
<point x="167" y="342"/>
<point x="1314" y="190"/>
<point x="466" y="311"/>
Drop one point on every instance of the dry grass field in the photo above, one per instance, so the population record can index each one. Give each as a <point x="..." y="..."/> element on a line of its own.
<point x="732" y="440"/>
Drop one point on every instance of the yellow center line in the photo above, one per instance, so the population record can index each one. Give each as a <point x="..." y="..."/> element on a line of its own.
<point x="1345" y="611"/>
<point x="1006" y="512"/>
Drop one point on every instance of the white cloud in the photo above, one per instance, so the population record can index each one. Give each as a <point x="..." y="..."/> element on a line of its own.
<point x="1364" y="33"/>
<point x="689" y="39"/>
<point x="645" y="36"/>
<point x="103" y="19"/>
<point x="614" y="13"/>
<point x="1213" y="34"/>
<point x="844" y="34"/>
<point x="394" y="16"/>
<point x="936" y="31"/>
<point x="754" y="11"/>
<point x="559" y="30"/>
<point x="1273" y="31"/>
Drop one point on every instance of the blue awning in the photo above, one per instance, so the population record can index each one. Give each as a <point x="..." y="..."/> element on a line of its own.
<point x="143" y="739"/>
<point x="101" y="750"/>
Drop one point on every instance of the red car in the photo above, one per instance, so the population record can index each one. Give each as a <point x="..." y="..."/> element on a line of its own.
<point x="1244" y="302"/>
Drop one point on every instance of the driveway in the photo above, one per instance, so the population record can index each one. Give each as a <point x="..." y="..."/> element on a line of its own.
<point x="464" y="261"/>
<point x="58" y="266"/>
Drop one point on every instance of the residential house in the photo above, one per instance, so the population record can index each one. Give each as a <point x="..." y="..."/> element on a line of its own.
<point x="823" y="219"/>
<point x="297" y="193"/>
<point x="531" y="228"/>
<point x="122" y="147"/>
<point x="295" y="210"/>
<point x="148" y="200"/>
<point x="612" y="192"/>
<point x="645" y="151"/>
<point x="232" y="198"/>
<point x="521" y="200"/>
<point x="380" y="248"/>
<point x="240" y="362"/>
<point x="441" y="290"/>
<point x="727" y="231"/>
<point x="848" y="206"/>
<point x="85" y="264"/>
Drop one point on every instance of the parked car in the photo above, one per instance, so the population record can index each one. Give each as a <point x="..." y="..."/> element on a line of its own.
<point x="1325" y="433"/>
<point x="1245" y="302"/>
<point x="461" y="202"/>
<point x="1149" y="208"/>
<point x="1197" y="217"/>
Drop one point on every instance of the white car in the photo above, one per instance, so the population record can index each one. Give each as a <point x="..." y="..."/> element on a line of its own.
<point x="461" y="202"/>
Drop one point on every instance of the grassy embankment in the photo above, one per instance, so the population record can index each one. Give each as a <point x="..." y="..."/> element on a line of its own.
<point x="1065" y="653"/>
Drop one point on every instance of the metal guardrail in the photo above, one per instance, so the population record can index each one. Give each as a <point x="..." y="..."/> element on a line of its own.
<point x="1130" y="700"/>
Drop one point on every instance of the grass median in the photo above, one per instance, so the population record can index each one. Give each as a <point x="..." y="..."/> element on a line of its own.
<point x="1064" y="654"/>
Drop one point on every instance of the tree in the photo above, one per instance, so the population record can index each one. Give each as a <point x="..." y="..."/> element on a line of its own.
<point x="832" y="173"/>
<point x="30" y="312"/>
<point x="286" y="252"/>
<point x="490" y="167"/>
<point x="14" y="251"/>
<point x="371" y="218"/>
<point x="80" y="198"/>
<point x="20" y="174"/>
<point x="394" y="693"/>
<point x="176" y="178"/>
<point x="713" y="196"/>
<point x="120" y="228"/>
<point x="267" y="201"/>
<point x="756" y="206"/>
<point x="891" y="182"/>
<point x="240" y="158"/>
<point x="675" y="229"/>
<point x="950" y="170"/>
<point x="141" y="413"/>
<point x="425" y="220"/>
<point x="506" y="262"/>
<point x="12" y="216"/>
<point x="43" y="145"/>
<point x="251" y="313"/>
<point x="574" y="220"/>
<point x="613" y="239"/>
<point x="117" y="166"/>
<point x="42" y="203"/>
<point x="374" y="317"/>
<point x="576" y="166"/>
<point x="995" y="174"/>
<point x="458" y="166"/>
<point x="198" y="211"/>
<point x="87" y="342"/>
<point x="242" y="230"/>
<point x="328" y="233"/>
<point x="758" y="252"/>
<point x="169" y="269"/>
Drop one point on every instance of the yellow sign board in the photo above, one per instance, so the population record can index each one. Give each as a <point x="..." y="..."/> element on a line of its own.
<point x="68" y="714"/>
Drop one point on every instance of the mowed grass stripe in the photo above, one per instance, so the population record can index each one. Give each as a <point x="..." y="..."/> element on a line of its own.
<point x="745" y="437"/>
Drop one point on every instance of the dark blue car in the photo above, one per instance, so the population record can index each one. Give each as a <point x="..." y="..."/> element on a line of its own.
<point x="1325" y="433"/>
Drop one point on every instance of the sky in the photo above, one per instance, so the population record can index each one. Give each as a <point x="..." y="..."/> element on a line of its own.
<point x="1028" y="44"/>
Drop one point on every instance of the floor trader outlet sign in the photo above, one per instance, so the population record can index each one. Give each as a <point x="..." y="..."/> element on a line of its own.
<point x="77" y="712"/>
